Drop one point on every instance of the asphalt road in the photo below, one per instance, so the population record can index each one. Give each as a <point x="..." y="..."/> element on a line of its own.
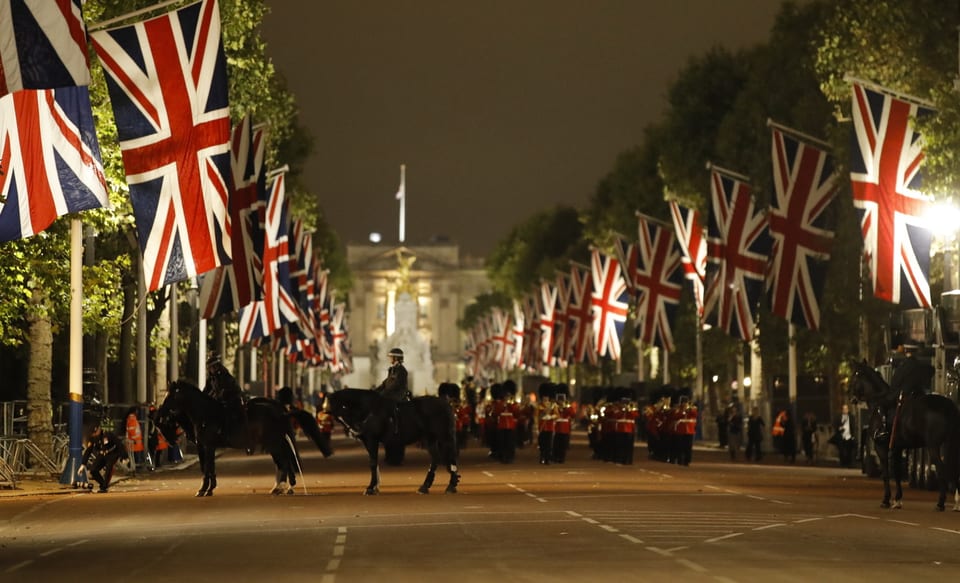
<point x="581" y="521"/>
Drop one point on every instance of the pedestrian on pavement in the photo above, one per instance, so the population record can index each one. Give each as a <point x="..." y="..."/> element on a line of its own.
<point x="788" y="439"/>
<point x="844" y="436"/>
<point x="809" y="438"/>
<point x="734" y="430"/>
<point x="755" y="430"/>
<point x="103" y="451"/>
<point x="722" y="429"/>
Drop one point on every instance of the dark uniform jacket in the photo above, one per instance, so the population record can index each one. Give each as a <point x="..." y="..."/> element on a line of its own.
<point x="912" y="377"/>
<point x="394" y="387"/>
<point x="107" y="443"/>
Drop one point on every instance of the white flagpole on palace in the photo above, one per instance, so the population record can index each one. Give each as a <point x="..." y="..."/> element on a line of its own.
<point x="402" y="197"/>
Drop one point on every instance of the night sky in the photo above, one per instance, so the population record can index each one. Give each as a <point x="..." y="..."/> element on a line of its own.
<point x="498" y="108"/>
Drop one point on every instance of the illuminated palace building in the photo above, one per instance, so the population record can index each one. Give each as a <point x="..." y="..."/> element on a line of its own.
<point x="410" y="297"/>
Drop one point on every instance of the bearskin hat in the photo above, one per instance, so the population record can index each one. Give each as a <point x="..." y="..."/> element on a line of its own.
<point x="509" y="388"/>
<point x="496" y="391"/>
<point x="547" y="390"/>
<point x="449" y="390"/>
<point x="285" y="395"/>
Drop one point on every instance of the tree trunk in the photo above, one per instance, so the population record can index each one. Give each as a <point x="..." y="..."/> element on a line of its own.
<point x="39" y="408"/>
<point x="127" y="350"/>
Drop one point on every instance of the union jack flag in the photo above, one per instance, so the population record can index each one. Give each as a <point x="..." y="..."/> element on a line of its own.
<point x="608" y="303"/>
<point x="531" y="334"/>
<point x="887" y="156"/>
<point x="693" y="245"/>
<point x="517" y="328"/>
<point x="278" y="306"/>
<point x="43" y="45"/>
<point x="561" y="337"/>
<point x="738" y="243"/>
<point x="49" y="159"/>
<point x="340" y="353"/>
<point x="579" y="316"/>
<point x="502" y="338"/>
<point x="804" y="186"/>
<point x="548" y="311"/>
<point x="471" y="353"/>
<point x="167" y="80"/>
<point x="226" y="289"/>
<point x="659" y="279"/>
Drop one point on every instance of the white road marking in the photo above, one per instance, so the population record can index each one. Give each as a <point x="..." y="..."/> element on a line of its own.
<point x="572" y="513"/>
<point x="541" y="499"/>
<point x="487" y="474"/>
<point x="632" y="539"/>
<point x="770" y="526"/>
<point x="945" y="530"/>
<point x="51" y="551"/>
<point x="18" y="566"/>
<point x="333" y="564"/>
<point x="341" y="539"/>
<point x="590" y="520"/>
<point x="853" y="516"/>
<point x="78" y="542"/>
<point x="724" y="537"/>
<point x="755" y="497"/>
<point x="903" y="522"/>
<point x="802" y="520"/>
<point x="609" y="528"/>
<point x="337" y="550"/>
<point x="660" y="552"/>
<point x="342" y="530"/>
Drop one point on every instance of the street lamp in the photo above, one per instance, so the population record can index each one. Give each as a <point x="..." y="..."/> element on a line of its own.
<point x="944" y="221"/>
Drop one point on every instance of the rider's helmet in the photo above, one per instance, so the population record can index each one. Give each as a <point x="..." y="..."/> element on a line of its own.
<point x="213" y="359"/>
<point x="396" y="354"/>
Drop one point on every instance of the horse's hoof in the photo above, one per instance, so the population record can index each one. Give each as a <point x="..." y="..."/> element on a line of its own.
<point x="209" y="493"/>
<point x="290" y="491"/>
<point x="898" y="505"/>
<point x="940" y="508"/>
<point x="200" y="494"/>
<point x="423" y="490"/>
<point x="884" y="505"/>
<point x="450" y="491"/>
<point x="371" y="492"/>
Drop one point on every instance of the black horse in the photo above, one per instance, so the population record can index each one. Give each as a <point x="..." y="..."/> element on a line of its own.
<point x="367" y="416"/>
<point x="205" y="422"/>
<point x="899" y="422"/>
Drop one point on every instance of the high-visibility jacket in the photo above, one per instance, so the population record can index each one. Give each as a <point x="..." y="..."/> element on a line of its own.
<point x="134" y="436"/>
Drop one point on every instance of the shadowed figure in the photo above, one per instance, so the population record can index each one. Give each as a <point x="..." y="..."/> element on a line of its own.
<point x="205" y="423"/>
<point x="428" y="419"/>
<point x="899" y="421"/>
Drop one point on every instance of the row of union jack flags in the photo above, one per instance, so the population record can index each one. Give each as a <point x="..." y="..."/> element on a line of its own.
<point x="198" y="187"/>
<point x="740" y="254"/>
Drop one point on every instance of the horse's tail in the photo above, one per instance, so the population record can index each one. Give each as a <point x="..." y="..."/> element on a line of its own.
<point x="308" y="423"/>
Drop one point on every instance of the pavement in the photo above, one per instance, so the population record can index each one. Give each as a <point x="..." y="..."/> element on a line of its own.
<point x="47" y="485"/>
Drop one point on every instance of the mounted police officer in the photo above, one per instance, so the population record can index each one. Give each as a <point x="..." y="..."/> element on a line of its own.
<point x="224" y="388"/>
<point x="394" y="388"/>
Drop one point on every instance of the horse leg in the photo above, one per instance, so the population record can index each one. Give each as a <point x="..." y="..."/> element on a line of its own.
<point x="428" y="480"/>
<point x="897" y="461"/>
<point x="372" y="452"/>
<point x="449" y="454"/>
<point x="884" y="456"/>
<point x="934" y="454"/>
<point x="202" y="457"/>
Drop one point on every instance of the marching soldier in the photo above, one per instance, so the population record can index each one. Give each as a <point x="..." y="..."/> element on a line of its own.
<point x="686" y="428"/>
<point x="626" y="427"/>
<point x="507" y="423"/>
<point x="325" y="423"/>
<point x="491" y="419"/>
<point x="546" y="422"/>
<point x="566" y="412"/>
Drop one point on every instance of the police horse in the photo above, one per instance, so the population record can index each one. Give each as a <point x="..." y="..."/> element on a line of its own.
<point x="205" y="422"/>
<point x="367" y="416"/>
<point x="899" y="422"/>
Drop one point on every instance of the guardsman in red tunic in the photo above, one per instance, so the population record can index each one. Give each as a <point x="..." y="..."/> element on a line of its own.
<point x="608" y="430"/>
<point x="507" y="424"/>
<point x="491" y="424"/>
<point x="626" y="430"/>
<point x="325" y="423"/>
<point x="546" y="422"/>
<point x="652" y="431"/>
<point x="686" y="428"/>
<point x="566" y="412"/>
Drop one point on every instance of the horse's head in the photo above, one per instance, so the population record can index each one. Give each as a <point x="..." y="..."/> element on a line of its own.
<point x="350" y="406"/>
<point x="866" y="384"/>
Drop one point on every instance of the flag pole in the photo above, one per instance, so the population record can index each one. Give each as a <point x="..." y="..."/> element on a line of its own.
<point x="75" y="371"/>
<point x="402" y="197"/>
